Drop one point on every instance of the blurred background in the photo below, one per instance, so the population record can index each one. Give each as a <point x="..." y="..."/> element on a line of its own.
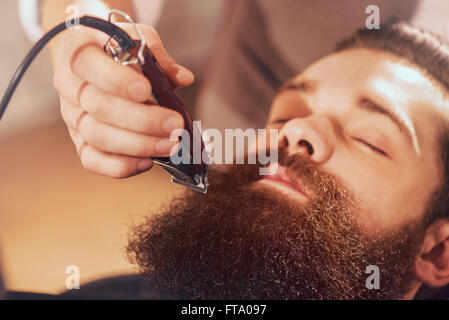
<point x="54" y="214"/>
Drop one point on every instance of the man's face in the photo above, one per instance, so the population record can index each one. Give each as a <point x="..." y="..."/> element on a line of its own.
<point x="259" y="237"/>
<point x="341" y="106"/>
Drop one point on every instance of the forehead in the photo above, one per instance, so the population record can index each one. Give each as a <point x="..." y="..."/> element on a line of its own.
<point x="388" y="78"/>
<point x="395" y="77"/>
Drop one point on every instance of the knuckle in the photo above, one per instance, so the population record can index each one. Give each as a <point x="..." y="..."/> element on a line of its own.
<point x="150" y="149"/>
<point x="73" y="55"/>
<point x="100" y="102"/>
<point x="139" y="148"/>
<point x="57" y="79"/>
<point x="63" y="110"/>
<point x="72" y="45"/>
<point x="87" y="163"/>
<point x="146" y="122"/>
<point x="90" y="133"/>
<point x="66" y="114"/>
<point x="94" y="137"/>
<point x="75" y="142"/>
<point x="122" y="170"/>
<point x="61" y="79"/>
<point x="79" y="58"/>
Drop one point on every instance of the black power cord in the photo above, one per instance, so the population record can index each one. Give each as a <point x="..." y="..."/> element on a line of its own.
<point x="122" y="38"/>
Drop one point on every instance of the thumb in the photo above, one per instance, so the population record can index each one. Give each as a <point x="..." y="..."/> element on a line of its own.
<point x="179" y="75"/>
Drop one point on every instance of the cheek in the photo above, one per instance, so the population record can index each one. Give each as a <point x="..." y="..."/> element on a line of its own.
<point x="381" y="205"/>
<point x="388" y="203"/>
<point x="384" y="202"/>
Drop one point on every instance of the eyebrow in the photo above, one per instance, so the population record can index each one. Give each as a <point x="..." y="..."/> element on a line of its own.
<point x="400" y="119"/>
<point x="306" y="86"/>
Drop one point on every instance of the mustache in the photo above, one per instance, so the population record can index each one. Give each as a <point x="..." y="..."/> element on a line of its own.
<point x="299" y="167"/>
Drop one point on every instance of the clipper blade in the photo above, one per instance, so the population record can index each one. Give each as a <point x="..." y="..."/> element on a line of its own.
<point x="184" y="174"/>
<point x="201" y="187"/>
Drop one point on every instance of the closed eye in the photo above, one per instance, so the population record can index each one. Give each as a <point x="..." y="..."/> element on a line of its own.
<point x="370" y="146"/>
<point x="279" y="121"/>
<point x="373" y="148"/>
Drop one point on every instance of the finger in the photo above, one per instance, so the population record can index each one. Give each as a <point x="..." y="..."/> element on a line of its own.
<point x="179" y="75"/>
<point x="112" y="165"/>
<point x="67" y="84"/>
<point x="71" y="114"/>
<point x="140" y="118"/>
<point x="71" y="87"/>
<point x="93" y="65"/>
<point x="79" y="143"/>
<point x="114" y="140"/>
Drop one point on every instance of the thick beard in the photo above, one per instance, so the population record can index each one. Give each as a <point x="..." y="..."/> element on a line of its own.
<point x="246" y="241"/>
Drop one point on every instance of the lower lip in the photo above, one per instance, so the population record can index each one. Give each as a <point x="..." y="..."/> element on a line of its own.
<point x="283" y="186"/>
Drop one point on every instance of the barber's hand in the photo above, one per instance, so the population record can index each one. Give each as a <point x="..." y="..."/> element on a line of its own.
<point x="102" y="103"/>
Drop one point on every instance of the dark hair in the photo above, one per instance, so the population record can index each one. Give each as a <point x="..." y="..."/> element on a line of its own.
<point x="431" y="54"/>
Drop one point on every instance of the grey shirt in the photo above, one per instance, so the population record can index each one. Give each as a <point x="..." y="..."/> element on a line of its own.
<point x="263" y="43"/>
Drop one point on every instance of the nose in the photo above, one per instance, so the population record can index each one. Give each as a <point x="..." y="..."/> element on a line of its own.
<point x="311" y="136"/>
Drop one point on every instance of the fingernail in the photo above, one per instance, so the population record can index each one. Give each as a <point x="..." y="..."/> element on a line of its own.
<point x="172" y="123"/>
<point x="164" y="146"/>
<point x="184" y="74"/>
<point x="138" y="90"/>
<point x="144" y="164"/>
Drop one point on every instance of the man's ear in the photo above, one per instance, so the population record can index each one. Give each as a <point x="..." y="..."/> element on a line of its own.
<point x="432" y="264"/>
